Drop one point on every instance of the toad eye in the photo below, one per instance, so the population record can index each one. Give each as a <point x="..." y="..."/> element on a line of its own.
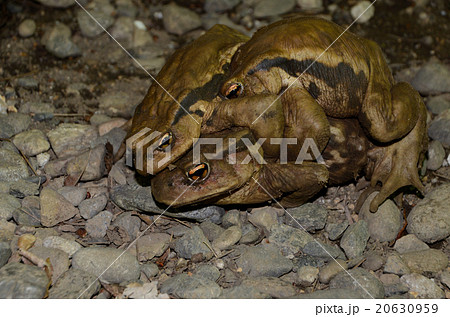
<point x="165" y="141"/>
<point x="199" y="172"/>
<point x="234" y="91"/>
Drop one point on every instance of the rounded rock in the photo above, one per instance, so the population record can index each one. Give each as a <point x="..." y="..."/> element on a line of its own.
<point x="31" y="142"/>
<point x="27" y="28"/>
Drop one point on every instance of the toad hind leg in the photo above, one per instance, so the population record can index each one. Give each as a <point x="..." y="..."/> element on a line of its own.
<point x="396" y="164"/>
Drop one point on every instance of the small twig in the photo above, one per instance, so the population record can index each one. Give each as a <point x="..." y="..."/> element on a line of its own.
<point x="212" y="250"/>
<point x="177" y="220"/>
<point x="442" y="176"/>
<point x="347" y="212"/>
<point x="29" y="214"/>
<point x="360" y="262"/>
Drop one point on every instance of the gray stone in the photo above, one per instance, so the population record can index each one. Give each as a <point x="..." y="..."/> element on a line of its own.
<point x="336" y="293"/>
<point x="445" y="277"/>
<point x="28" y="82"/>
<point x="57" y="41"/>
<point x="17" y="121"/>
<point x="57" y="3"/>
<point x="179" y="20"/>
<point x="272" y="286"/>
<point x="330" y="270"/>
<point x="409" y="243"/>
<point x="208" y="271"/>
<point x="438" y="104"/>
<point x="7" y="230"/>
<point x="323" y="251"/>
<point x="12" y="166"/>
<point x="290" y="240"/>
<point x="227" y="238"/>
<point x="27" y="28"/>
<point x="439" y="129"/>
<point x="90" y="164"/>
<point x="36" y="107"/>
<point x="193" y="242"/>
<point x="115" y="137"/>
<point x="211" y="230"/>
<point x="220" y="5"/>
<point x="22" y="281"/>
<point x="385" y="223"/>
<point x="373" y="262"/>
<point x="119" y="103"/>
<point x="126" y="8"/>
<point x="75" y="284"/>
<point x="75" y="195"/>
<point x="263" y="218"/>
<point x="131" y="224"/>
<point x="209" y="213"/>
<point x="335" y="230"/>
<point x="267" y="8"/>
<point x="55" y="208"/>
<point x="102" y="11"/>
<point x="436" y="155"/>
<point x="8" y="204"/>
<point x="194" y="287"/>
<point x="422" y="286"/>
<point x="243" y="292"/>
<point x="395" y="265"/>
<point x="96" y="226"/>
<point x="359" y="280"/>
<point x="231" y="218"/>
<point x="69" y="139"/>
<point x="134" y="197"/>
<point x="307" y="275"/>
<point x="96" y="260"/>
<point x="23" y="188"/>
<point x="92" y="206"/>
<point x="151" y="245"/>
<point x="311" y="5"/>
<point x="310" y="217"/>
<point x="59" y="259"/>
<point x="5" y="253"/>
<point x="362" y="11"/>
<point x="432" y="78"/>
<point x="427" y="261"/>
<point x="263" y="260"/>
<point x="30" y="213"/>
<point x="250" y="234"/>
<point x="150" y="269"/>
<point x="57" y="242"/>
<point x="355" y="238"/>
<point x="429" y="220"/>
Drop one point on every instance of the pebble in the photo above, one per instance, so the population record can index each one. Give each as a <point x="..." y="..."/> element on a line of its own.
<point x="439" y="129"/>
<point x="22" y="281"/>
<point x="59" y="259"/>
<point x="445" y="277"/>
<point x="367" y="283"/>
<point x="422" y="286"/>
<point x="129" y="223"/>
<point x="211" y="230"/>
<point x="193" y="242"/>
<point x="92" y="206"/>
<point x="307" y="275"/>
<point x="134" y="197"/>
<point x="150" y="269"/>
<point x="311" y="5"/>
<point x="220" y="5"/>
<point x="267" y="8"/>
<point x="436" y="155"/>
<point x="119" y="102"/>
<point x="179" y="20"/>
<point x="209" y="213"/>
<point x="438" y="104"/>
<point x="30" y="213"/>
<point x="106" y="127"/>
<point x="427" y="261"/>
<point x="55" y="168"/>
<point x="7" y="230"/>
<point x="57" y="3"/>
<point x="70" y="139"/>
<point x="75" y="284"/>
<point x="28" y="82"/>
<point x="90" y="163"/>
<point x="263" y="218"/>
<point x="354" y="240"/>
<point x="194" y="287"/>
<point x="75" y="195"/>
<point x="409" y="243"/>
<point x="432" y="78"/>
<point x="290" y="240"/>
<point x="242" y="292"/>
<point x="116" y="137"/>
<point x="57" y="41"/>
<point x="359" y="8"/>
<point x="126" y="8"/>
<point x="24" y="187"/>
<point x="151" y="245"/>
<point x="208" y="271"/>
<point x="96" y="226"/>
<point x="264" y="260"/>
<point x="429" y="220"/>
<point x="8" y="204"/>
<point x="227" y="238"/>
<point x="272" y="286"/>
<point x="95" y="260"/>
<point x="57" y="242"/>
<point x="323" y="251"/>
<point x="373" y="262"/>
<point x="5" y="253"/>
<point x="385" y="223"/>
<point x="102" y="11"/>
<point x="12" y="166"/>
<point x="231" y="218"/>
<point x="327" y="272"/>
<point x="337" y="293"/>
<point x="31" y="142"/>
<point x="310" y="217"/>
<point x="55" y="208"/>
<point x="42" y="159"/>
<point x="335" y="230"/>
<point x="395" y="265"/>
<point x="35" y="107"/>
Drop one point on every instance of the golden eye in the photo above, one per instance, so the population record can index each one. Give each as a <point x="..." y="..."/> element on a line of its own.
<point x="199" y="172"/>
<point x="165" y="141"/>
<point x="234" y="91"/>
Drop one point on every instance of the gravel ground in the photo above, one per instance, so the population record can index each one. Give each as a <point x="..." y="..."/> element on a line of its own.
<point x="65" y="89"/>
